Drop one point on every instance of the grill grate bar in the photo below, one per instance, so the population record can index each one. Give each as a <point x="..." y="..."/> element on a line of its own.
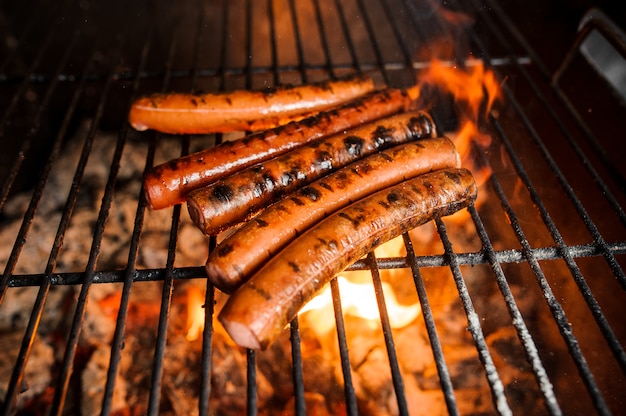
<point x="207" y="345"/>
<point x="615" y="267"/>
<point x="38" y="191"/>
<point x="251" y="390"/>
<point x="297" y="374"/>
<point x="164" y="314"/>
<point x="584" y="288"/>
<point x="20" y="94"/>
<point x="298" y="41"/>
<point x="342" y="339"/>
<point x="518" y="320"/>
<point x="328" y="66"/>
<point x="373" y="40"/>
<point x="396" y="376"/>
<point x="557" y="310"/>
<point x="559" y="313"/>
<point x="346" y="33"/>
<point x="471" y="259"/>
<point x="117" y="342"/>
<point x="72" y="341"/>
<point x="474" y="327"/>
<point x="429" y="321"/>
<point x="45" y="281"/>
<point x="591" y="137"/>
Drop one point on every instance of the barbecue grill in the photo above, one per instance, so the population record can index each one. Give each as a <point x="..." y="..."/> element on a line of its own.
<point x="520" y="298"/>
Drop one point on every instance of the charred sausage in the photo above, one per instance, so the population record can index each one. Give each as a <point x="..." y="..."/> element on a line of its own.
<point x="256" y="313"/>
<point x="239" y="197"/>
<point x="242" y="110"/>
<point x="243" y="252"/>
<point x="169" y="183"/>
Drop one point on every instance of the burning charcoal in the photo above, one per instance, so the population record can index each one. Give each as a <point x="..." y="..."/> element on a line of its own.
<point x="14" y="316"/>
<point x="99" y="324"/>
<point x="37" y="375"/>
<point x="228" y="381"/>
<point x="375" y="385"/>
<point x="315" y="406"/>
<point x="93" y="379"/>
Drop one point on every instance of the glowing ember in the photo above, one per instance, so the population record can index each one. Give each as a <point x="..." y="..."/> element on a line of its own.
<point x="195" y="313"/>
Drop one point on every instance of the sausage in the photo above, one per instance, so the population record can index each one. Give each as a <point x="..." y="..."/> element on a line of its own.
<point x="252" y="245"/>
<point x="169" y="183"/>
<point x="256" y="313"/>
<point x="239" y="197"/>
<point x="242" y="110"/>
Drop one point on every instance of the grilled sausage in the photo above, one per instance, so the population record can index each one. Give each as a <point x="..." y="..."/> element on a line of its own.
<point x="242" y="110"/>
<point x="169" y="183"/>
<point x="256" y="313"/>
<point x="243" y="252"/>
<point x="239" y="197"/>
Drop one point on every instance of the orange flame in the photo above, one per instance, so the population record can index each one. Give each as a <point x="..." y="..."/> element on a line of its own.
<point x="475" y="90"/>
<point x="195" y="313"/>
<point x="358" y="298"/>
<point x="469" y="85"/>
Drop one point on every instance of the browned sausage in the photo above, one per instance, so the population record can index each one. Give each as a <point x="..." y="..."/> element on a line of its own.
<point x="242" y="110"/>
<point x="257" y="312"/>
<point x="169" y="183"/>
<point x="238" y="197"/>
<point x="246" y="250"/>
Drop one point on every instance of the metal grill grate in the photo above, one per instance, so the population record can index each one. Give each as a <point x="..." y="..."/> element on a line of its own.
<point x="552" y="225"/>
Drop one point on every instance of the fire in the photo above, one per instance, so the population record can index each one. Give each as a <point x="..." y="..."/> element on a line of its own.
<point x="359" y="300"/>
<point x="469" y="85"/>
<point x="475" y="90"/>
<point x="195" y="313"/>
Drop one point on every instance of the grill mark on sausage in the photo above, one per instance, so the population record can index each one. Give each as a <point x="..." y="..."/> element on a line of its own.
<point x="262" y="292"/>
<point x="326" y="186"/>
<point x="261" y="223"/>
<point x="354" y="145"/>
<point x="310" y="193"/>
<point x="223" y="193"/>
<point x="294" y="267"/>
<point x="224" y="249"/>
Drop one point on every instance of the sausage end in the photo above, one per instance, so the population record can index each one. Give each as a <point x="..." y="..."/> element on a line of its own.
<point x="242" y="334"/>
<point x="218" y="276"/>
<point x="195" y="212"/>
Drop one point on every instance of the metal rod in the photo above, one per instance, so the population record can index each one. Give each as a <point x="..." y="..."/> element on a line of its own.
<point x="524" y="335"/>
<point x="72" y="341"/>
<point x="396" y="375"/>
<point x="604" y="189"/>
<point x="348" y="387"/>
<point x="584" y="288"/>
<point x="429" y="321"/>
<point x="297" y="375"/>
<point x="117" y="343"/>
<point x="471" y="259"/>
<point x="251" y="386"/>
<point x="473" y="326"/>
